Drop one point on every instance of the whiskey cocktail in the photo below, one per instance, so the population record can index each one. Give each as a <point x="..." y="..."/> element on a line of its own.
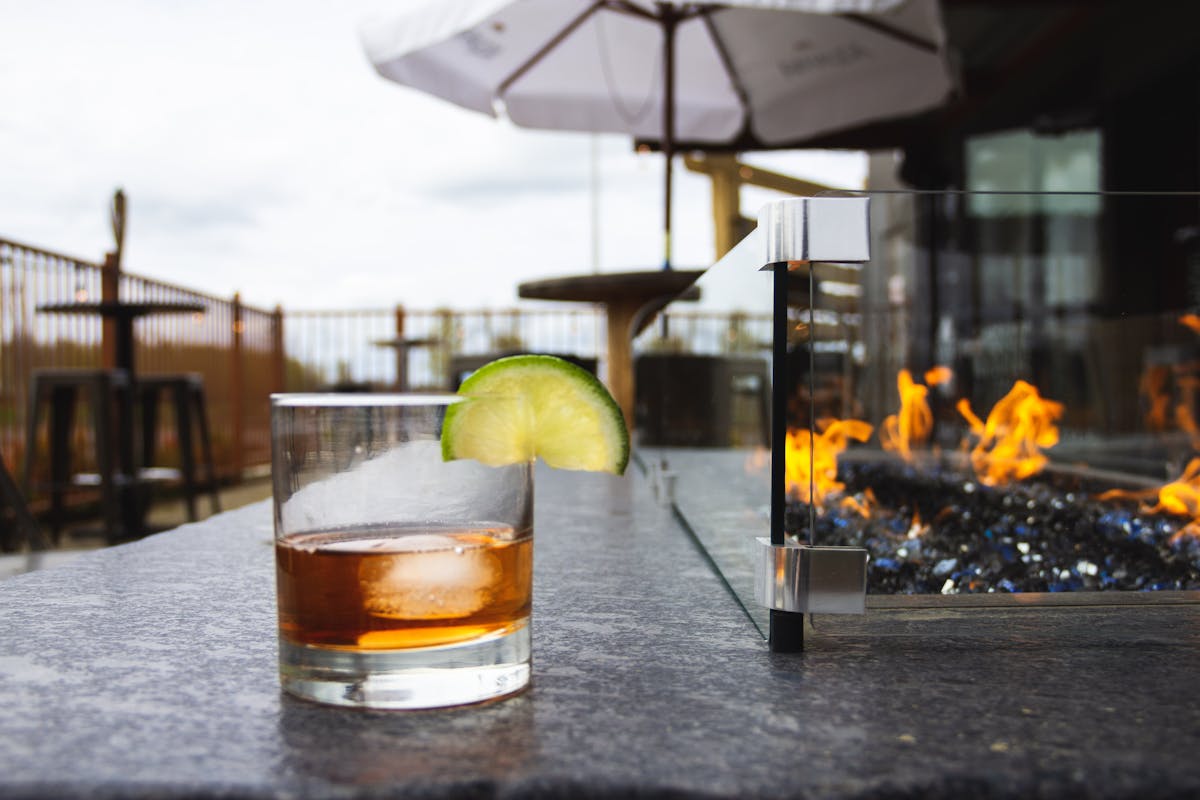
<point x="403" y="580"/>
<point x="404" y="530"/>
<point x="396" y="587"/>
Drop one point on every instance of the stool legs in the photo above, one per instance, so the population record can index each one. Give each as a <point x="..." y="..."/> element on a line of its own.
<point x="149" y="396"/>
<point x="62" y="418"/>
<point x="61" y="401"/>
<point x="187" y="453"/>
<point x="59" y="394"/>
<point x="188" y="405"/>
<point x="112" y="459"/>
<point x="32" y="415"/>
<point x="206" y="452"/>
<point x="182" y="406"/>
<point x="120" y="449"/>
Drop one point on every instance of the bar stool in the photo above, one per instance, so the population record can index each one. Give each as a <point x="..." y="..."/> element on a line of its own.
<point x="58" y="391"/>
<point x="185" y="393"/>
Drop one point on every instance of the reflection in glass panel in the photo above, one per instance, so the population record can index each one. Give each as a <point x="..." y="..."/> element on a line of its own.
<point x="1022" y="173"/>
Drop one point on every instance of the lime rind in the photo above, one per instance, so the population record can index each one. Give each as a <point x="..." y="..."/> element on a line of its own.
<point x="570" y="420"/>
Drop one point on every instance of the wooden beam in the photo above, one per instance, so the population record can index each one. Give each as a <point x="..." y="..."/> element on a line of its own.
<point x="730" y="168"/>
<point x="728" y="175"/>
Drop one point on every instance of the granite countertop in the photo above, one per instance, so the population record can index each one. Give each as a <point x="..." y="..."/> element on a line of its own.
<point x="148" y="670"/>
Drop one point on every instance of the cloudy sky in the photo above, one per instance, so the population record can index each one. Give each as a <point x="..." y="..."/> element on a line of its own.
<point x="260" y="152"/>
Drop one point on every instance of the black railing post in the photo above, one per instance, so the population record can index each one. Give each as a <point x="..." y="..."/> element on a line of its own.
<point x="786" y="633"/>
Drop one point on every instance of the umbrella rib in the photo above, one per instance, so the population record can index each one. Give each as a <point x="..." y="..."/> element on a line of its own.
<point x="895" y="33"/>
<point x="726" y="62"/>
<point x="553" y="42"/>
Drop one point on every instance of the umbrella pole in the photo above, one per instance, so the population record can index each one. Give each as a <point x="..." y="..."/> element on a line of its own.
<point x="667" y="154"/>
<point x="670" y="18"/>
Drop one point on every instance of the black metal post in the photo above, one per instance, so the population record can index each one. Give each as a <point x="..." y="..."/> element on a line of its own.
<point x="786" y="627"/>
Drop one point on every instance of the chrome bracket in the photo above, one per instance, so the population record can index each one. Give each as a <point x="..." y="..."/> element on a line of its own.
<point x="811" y="580"/>
<point x="815" y="229"/>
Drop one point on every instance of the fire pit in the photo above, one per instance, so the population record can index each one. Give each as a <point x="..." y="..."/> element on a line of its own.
<point x="993" y="516"/>
<point x="934" y="528"/>
<point x="973" y="392"/>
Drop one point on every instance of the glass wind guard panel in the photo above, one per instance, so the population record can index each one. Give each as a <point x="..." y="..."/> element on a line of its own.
<point x="1023" y="371"/>
<point x="702" y="425"/>
<point x="1028" y="365"/>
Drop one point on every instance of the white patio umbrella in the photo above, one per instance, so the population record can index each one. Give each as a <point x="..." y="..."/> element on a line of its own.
<point x="778" y="70"/>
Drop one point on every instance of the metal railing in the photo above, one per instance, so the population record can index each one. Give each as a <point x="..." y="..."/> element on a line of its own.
<point x="234" y="347"/>
<point x="357" y="348"/>
<point x="244" y="353"/>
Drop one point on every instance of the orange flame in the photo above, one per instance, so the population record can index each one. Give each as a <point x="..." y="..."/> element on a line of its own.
<point x="1019" y="426"/>
<point x="937" y="375"/>
<point x="917" y="528"/>
<point x="899" y="432"/>
<point x="860" y="505"/>
<point x="821" y="457"/>
<point x="1180" y="497"/>
<point x="1191" y="321"/>
<point x="1153" y="387"/>
<point x="1157" y="385"/>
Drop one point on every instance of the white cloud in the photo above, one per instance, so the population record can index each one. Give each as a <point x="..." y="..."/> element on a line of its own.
<point x="261" y="153"/>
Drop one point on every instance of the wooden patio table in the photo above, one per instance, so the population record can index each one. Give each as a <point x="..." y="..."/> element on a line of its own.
<point x="124" y="313"/>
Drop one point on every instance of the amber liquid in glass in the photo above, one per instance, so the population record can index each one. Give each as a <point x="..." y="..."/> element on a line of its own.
<point x="391" y="588"/>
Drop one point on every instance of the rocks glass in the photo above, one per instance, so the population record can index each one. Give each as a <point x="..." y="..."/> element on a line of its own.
<point x="403" y="581"/>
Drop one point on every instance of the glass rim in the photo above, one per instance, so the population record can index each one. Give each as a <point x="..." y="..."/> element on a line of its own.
<point x="385" y="399"/>
<point x="362" y="399"/>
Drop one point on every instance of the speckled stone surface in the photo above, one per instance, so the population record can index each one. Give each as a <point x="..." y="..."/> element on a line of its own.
<point x="148" y="670"/>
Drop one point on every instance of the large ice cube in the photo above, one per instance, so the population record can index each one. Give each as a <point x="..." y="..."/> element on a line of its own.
<point x="428" y="576"/>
